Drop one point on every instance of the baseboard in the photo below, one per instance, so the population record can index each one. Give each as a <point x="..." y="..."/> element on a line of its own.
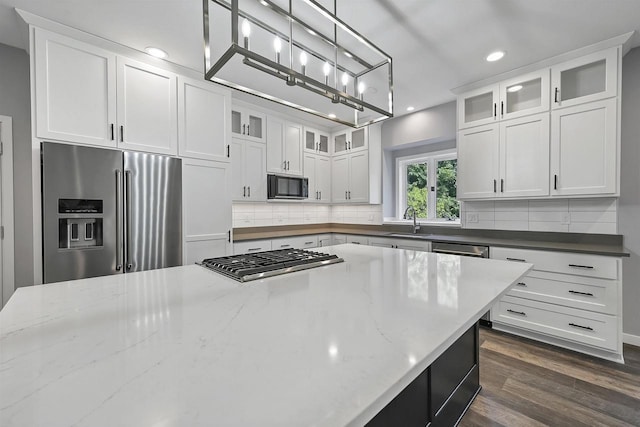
<point x="631" y="339"/>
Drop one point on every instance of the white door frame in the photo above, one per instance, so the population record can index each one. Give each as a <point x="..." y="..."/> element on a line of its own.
<point x="6" y="209"/>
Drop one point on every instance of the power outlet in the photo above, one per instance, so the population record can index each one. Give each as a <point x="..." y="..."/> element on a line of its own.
<point x="472" y="217"/>
<point x="566" y="218"/>
<point x="370" y="217"/>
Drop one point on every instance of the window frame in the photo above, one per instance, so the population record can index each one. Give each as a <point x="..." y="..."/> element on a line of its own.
<point x="431" y="159"/>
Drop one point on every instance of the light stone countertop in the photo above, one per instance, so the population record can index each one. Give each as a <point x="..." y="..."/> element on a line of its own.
<point x="185" y="346"/>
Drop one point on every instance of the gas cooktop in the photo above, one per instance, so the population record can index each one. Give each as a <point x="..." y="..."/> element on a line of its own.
<point x="259" y="265"/>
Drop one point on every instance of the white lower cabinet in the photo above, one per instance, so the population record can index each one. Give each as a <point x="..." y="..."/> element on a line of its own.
<point x="339" y="239"/>
<point x="324" y="240"/>
<point x="206" y="209"/>
<point x="568" y="299"/>
<point x="251" y="246"/>
<point x="357" y="240"/>
<point x="295" y="242"/>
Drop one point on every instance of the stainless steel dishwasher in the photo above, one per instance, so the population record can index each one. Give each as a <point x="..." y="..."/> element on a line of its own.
<point x="462" y="249"/>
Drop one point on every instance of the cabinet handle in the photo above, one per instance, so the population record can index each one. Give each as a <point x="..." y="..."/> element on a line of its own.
<point x="586" y="267"/>
<point x="521" y="313"/>
<point x="288" y="165"/>
<point x="248" y="131"/>
<point x="349" y="145"/>
<point x="555" y="182"/>
<point x="556" y="96"/>
<point x="521" y="284"/>
<point x="308" y="243"/>
<point x="229" y="236"/>
<point x="121" y="133"/>
<point x="502" y="108"/>
<point x="516" y="259"/>
<point x="495" y="110"/>
<point x="355" y="243"/>
<point x="345" y="195"/>
<point x="320" y="195"/>
<point x="284" y="246"/>
<point x="349" y="194"/>
<point x="502" y="185"/>
<point x="228" y="151"/>
<point x="249" y="191"/>
<point x="244" y="191"/>
<point x="494" y="186"/>
<point x="112" y="133"/>
<point x="253" y="249"/>
<point x="243" y="129"/>
<point x="581" y="327"/>
<point x="586" y="294"/>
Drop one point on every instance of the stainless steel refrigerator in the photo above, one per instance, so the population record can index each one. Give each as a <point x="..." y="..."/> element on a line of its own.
<point x="108" y="211"/>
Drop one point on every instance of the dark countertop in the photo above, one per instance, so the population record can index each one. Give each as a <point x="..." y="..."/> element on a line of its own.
<point x="597" y="244"/>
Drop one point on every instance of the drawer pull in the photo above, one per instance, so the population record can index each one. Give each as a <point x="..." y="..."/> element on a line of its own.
<point x="355" y="243"/>
<point x="516" y="259"/>
<point x="284" y="246"/>
<point x="581" y="327"/>
<point x="588" y="294"/>
<point x="521" y="313"/>
<point x="308" y="243"/>
<point x="588" y="267"/>
<point x="253" y="249"/>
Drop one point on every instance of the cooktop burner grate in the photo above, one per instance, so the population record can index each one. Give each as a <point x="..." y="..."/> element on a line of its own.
<point x="259" y="265"/>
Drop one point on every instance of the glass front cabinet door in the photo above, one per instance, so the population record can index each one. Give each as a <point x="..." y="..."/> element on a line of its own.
<point x="524" y="95"/>
<point x="478" y="107"/>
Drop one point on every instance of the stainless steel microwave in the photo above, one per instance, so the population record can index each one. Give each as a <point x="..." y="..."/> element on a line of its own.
<point x="287" y="187"/>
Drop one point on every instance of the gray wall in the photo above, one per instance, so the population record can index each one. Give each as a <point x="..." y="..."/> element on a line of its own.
<point x="430" y="125"/>
<point x="15" y="102"/>
<point x="629" y="204"/>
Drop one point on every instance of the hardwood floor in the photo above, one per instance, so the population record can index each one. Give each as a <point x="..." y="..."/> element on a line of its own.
<point x="526" y="383"/>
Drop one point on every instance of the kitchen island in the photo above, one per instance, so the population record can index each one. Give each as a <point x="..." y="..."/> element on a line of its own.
<point x="185" y="346"/>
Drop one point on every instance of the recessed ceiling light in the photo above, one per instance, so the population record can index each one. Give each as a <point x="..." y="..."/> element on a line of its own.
<point x="157" y="52"/>
<point x="495" y="56"/>
<point x="514" y="88"/>
<point x="264" y="3"/>
<point x="347" y="54"/>
<point x="332" y="116"/>
<point x="411" y="108"/>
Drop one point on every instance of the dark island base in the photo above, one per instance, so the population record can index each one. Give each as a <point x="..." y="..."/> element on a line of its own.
<point x="442" y="393"/>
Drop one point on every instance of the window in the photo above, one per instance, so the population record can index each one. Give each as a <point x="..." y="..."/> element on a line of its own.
<point x="427" y="183"/>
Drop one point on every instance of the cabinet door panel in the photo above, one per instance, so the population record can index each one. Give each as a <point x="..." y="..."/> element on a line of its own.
<point x="310" y="173"/>
<point x="478" y="164"/>
<point x="75" y="90"/>
<point x="204" y="120"/>
<point x="525" y="95"/>
<point x="478" y="107"/>
<point x="524" y="154"/>
<point x="359" y="177"/>
<point x="293" y="149"/>
<point x="147" y="108"/>
<point x="255" y="173"/>
<point x="584" y="153"/>
<point x="238" y="185"/>
<point x="275" y="138"/>
<point x="340" y="178"/>
<point x="323" y="178"/>
<point x="207" y="209"/>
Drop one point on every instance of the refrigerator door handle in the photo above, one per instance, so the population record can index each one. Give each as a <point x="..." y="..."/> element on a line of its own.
<point x="127" y="178"/>
<point x="119" y="232"/>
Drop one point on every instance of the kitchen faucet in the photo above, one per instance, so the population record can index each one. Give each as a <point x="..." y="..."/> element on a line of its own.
<point x="416" y="227"/>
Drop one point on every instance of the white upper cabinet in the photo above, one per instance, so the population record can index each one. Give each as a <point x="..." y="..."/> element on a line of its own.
<point x="75" y="90"/>
<point x="350" y="178"/>
<point x="506" y="159"/>
<point x="204" y="120"/>
<point x="478" y="107"/>
<point x="586" y="79"/>
<point x="350" y="140"/>
<point x="478" y="162"/>
<point x="316" y="141"/>
<point x="521" y="96"/>
<point x="340" y="179"/>
<point x="248" y="124"/>
<point x="317" y="169"/>
<point x="284" y="147"/>
<point x="584" y="149"/>
<point x="524" y="95"/>
<point x="147" y="108"/>
<point x="249" y="177"/>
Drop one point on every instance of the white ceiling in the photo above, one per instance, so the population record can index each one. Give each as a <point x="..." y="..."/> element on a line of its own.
<point x="436" y="45"/>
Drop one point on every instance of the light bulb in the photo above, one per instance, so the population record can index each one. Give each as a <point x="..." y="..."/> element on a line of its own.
<point x="246" y="28"/>
<point x="361" y="88"/>
<point x="303" y="58"/>
<point x="277" y="44"/>
<point x="345" y="79"/>
<point x="326" y="69"/>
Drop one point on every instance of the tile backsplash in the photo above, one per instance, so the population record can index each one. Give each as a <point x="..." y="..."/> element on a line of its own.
<point x="282" y="213"/>
<point x="599" y="216"/>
